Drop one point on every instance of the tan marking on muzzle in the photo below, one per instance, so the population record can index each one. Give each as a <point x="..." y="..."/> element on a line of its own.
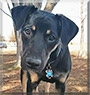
<point x="34" y="76"/>
<point x="63" y="77"/>
<point x="24" y="81"/>
<point x="33" y="28"/>
<point x="48" y="32"/>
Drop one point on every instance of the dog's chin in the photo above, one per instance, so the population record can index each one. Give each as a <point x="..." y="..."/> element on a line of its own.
<point x="38" y="69"/>
<point x="34" y="68"/>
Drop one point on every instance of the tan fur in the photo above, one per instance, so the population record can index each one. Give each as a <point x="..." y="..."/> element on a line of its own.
<point x="24" y="81"/>
<point x="63" y="77"/>
<point x="35" y="90"/>
<point x="34" y="76"/>
<point x="48" y="32"/>
<point x="33" y="28"/>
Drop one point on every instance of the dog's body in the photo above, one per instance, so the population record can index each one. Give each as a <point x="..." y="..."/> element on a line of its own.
<point x="45" y="55"/>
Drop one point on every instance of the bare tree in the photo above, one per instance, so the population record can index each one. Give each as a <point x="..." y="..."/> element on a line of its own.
<point x="2" y="38"/>
<point x="48" y="6"/>
<point x="12" y="37"/>
<point x="82" y="52"/>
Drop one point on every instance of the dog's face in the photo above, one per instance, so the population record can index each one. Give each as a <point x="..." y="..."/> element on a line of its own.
<point x="41" y="34"/>
<point x="40" y="37"/>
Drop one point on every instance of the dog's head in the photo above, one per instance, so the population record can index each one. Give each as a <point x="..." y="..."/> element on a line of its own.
<point x="41" y="33"/>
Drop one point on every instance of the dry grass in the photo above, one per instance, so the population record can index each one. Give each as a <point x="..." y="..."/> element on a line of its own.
<point x="77" y="82"/>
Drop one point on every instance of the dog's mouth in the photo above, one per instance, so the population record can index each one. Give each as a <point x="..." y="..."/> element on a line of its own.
<point x="32" y="66"/>
<point x="35" y="67"/>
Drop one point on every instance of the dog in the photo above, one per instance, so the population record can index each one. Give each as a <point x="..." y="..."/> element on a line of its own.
<point x="44" y="55"/>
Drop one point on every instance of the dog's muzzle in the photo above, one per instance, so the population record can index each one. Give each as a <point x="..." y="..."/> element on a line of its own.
<point x="33" y="63"/>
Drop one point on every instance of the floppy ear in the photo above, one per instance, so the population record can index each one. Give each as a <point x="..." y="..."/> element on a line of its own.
<point x="68" y="29"/>
<point x="20" y="13"/>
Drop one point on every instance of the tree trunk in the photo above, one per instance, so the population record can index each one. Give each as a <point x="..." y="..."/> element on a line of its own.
<point x="50" y="5"/>
<point x="82" y="26"/>
<point x="82" y="53"/>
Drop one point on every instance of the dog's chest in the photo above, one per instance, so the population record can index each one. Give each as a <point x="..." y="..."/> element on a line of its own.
<point x="56" y="76"/>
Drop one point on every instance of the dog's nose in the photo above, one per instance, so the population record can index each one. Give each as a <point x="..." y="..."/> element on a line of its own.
<point x="31" y="62"/>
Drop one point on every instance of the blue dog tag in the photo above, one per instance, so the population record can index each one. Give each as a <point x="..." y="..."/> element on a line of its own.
<point x="49" y="74"/>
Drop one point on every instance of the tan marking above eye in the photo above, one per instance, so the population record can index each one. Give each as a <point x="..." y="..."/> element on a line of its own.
<point x="48" y="32"/>
<point x="33" y="28"/>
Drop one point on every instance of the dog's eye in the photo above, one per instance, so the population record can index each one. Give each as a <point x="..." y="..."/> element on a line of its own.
<point x="51" y="38"/>
<point x="27" y="31"/>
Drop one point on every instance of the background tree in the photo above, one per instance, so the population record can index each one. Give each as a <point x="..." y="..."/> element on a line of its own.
<point x="82" y="51"/>
<point x="2" y="38"/>
<point x="48" y="4"/>
<point x="12" y="37"/>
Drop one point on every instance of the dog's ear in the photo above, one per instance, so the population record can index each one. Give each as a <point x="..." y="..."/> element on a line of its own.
<point x="20" y="13"/>
<point x="68" y="29"/>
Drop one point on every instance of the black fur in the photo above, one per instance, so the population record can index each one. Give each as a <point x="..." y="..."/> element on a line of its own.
<point x="38" y="46"/>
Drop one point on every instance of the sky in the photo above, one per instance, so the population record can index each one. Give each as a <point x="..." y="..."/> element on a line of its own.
<point x="69" y="8"/>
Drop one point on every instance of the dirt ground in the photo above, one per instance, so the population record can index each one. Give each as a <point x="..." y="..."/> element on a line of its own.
<point x="77" y="82"/>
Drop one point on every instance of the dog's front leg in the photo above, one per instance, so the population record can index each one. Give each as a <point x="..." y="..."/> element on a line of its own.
<point x="60" y="87"/>
<point x="24" y="80"/>
<point x="35" y="90"/>
<point x="33" y="82"/>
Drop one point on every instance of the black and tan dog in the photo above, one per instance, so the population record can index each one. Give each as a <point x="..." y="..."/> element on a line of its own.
<point x="45" y="55"/>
